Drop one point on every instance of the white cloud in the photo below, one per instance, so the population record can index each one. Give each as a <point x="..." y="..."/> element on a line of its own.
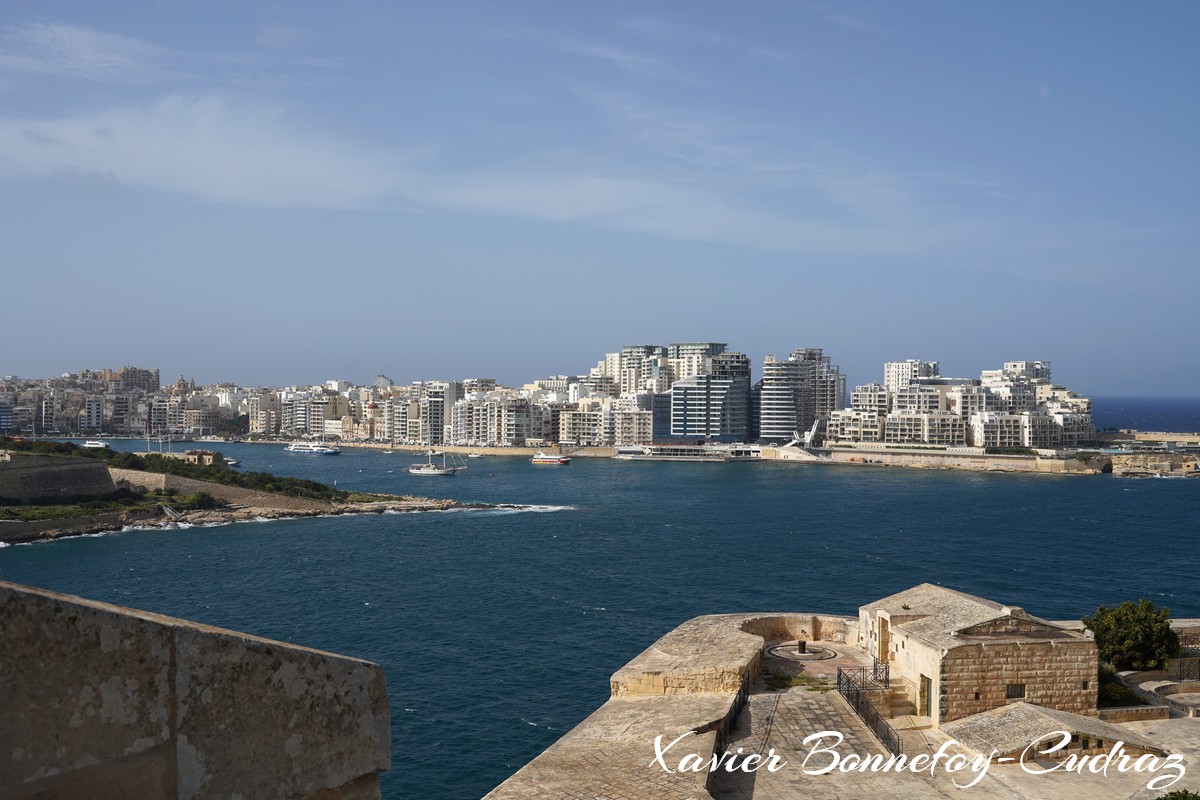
<point x="71" y="51"/>
<point x="206" y="147"/>
<point x="672" y="211"/>
<point x="633" y="63"/>
<point x="224" y="151"/>
<point x="662" y="29"/>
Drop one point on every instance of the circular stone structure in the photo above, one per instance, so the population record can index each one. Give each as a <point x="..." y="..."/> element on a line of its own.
<point x="788" y="651"/>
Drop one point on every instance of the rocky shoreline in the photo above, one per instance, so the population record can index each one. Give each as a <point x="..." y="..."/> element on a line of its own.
<point x="20" y="533"/>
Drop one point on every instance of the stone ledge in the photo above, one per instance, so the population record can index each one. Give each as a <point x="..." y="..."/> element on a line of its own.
<point x="96" y="697"/>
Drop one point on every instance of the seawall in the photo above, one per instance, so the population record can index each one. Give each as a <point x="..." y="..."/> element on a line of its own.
<point x="98" y="700"/>
<point x="934" y="459"/>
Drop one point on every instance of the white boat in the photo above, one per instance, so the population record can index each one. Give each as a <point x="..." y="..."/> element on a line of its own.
<point x="430" y="468"/>
<point x="319" y="448"/>
<point x="94" y="443"/>
<point x="474" y="455"/>
<point x="542" y="458"/>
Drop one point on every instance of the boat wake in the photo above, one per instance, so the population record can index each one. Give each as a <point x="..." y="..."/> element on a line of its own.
<point x="495" y="510"/>
<point x="516" y="509"/>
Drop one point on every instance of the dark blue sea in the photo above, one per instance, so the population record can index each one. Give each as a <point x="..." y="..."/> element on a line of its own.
<point x="1174" y="414"/>
<point x="498" y="630"/>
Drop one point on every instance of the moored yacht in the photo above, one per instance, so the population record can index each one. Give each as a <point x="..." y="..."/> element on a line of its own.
<point x="319" y="448"/>
<point x="429" y="468"/>
<point x="94" y="444"/>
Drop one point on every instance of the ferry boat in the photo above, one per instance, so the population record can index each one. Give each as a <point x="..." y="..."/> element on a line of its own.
<point x="94" y="444"/>
<point x="319" y="448"/>
<point x="439" y="470"/>
<point x="542" y="458"/>
<point x="718" y="453"/>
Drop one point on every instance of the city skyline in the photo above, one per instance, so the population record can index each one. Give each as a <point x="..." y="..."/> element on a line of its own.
<point x="283" y="194"/>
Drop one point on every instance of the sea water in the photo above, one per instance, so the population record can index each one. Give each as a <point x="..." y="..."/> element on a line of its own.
<point x="498" y="630"/>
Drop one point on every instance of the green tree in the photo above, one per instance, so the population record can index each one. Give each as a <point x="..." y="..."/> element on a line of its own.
<point x="1134" y="635"/>
<point x="1179" y="794"/>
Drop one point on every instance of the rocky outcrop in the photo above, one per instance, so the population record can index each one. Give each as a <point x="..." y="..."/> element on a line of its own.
<point x="1156" y="465"/>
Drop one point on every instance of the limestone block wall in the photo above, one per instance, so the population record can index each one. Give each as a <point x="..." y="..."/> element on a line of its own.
<point x="29" y="478"/>
<point x="809" y="627"/>
<point x="1155" y="464"/>
<point x="1055" y="674"/>
<point x="943" y="460"/>
<point x="98" y="700"/>
<point x="230" y="494"/>
<point x="1134" y="713"/>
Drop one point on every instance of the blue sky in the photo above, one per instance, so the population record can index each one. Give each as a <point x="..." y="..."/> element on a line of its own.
<point x="273" y="192"/>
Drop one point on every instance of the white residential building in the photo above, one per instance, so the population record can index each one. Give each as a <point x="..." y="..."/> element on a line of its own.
<point x="898" y="374"/>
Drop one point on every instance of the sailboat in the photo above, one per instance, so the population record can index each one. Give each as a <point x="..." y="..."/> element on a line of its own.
<point x="430" y="468"/>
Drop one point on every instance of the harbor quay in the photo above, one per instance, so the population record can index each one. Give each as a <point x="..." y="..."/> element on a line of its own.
<point x="923" y="693"/>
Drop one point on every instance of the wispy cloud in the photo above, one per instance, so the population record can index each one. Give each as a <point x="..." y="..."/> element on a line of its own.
<point x="660" y="28"/>
<point x="209" y="147"/>
<point x="75" y="52"/>
<point x="837" y="15"/>
<point x="633" y="63"/>
<point x="71" y="51"/>
<point x="726" y="191"/>
<point x="1044" y="90"/>
<point x="673" y="211"/>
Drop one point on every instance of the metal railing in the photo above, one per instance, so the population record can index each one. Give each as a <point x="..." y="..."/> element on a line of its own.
<point x="1189" y="644"/>
<point x="1187" y="669"/>
<point x="876" y="676"/>
<point x="854" y="685"/>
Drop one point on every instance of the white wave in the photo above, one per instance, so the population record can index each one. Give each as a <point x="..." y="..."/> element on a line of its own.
<point x="170" y="526"/>
<point x="512" y="509"/>
<point x="536" y="725"/>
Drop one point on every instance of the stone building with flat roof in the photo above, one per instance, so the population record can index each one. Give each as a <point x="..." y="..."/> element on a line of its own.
<point x="959" y="655"/>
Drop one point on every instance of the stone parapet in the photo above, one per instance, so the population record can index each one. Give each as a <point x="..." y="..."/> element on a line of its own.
<point x="689" y="681"/>
<point x="97" y="700"/>
<point x="713" y="653"/>
<point x="1134" y="713"/>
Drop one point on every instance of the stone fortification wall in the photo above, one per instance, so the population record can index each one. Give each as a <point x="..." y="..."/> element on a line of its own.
<point x="29" y="478"/>
<point x="98" y="700"/>
<point x="942" y="460"/>
<point x="150" y="481"/>
<point x="808" y="627"/>
<point x="1156" y="464"/>
<point x="1054" y="674"/>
